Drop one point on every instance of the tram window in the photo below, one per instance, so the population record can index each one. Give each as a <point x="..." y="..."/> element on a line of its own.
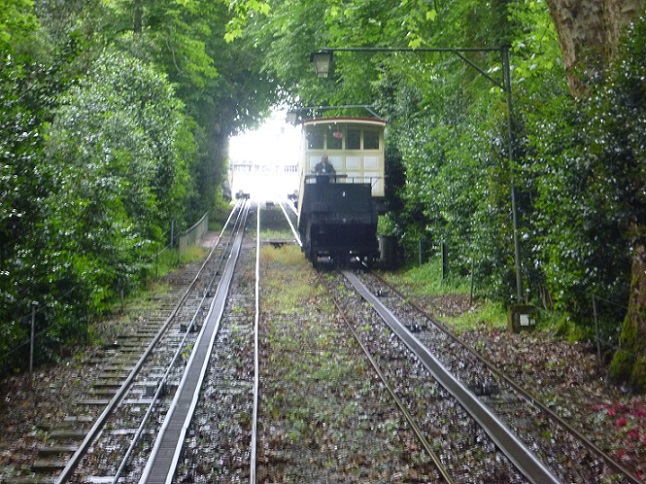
<point x="353" y="141"/>
<point x="370" y="140"/>
<point x="315" y="139"/>
<point x="334" y="142"/>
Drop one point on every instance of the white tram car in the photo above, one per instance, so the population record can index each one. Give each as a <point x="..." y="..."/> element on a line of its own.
<point x="337" y="212"/>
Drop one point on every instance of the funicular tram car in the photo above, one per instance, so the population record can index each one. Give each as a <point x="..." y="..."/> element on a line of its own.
<point x="337" y="212"/>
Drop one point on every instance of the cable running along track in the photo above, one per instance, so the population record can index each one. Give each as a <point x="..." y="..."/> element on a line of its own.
<point x="165" y="455"/>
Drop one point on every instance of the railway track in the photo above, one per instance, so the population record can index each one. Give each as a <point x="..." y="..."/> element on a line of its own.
<point x="169" y="441"/>
<point x="476" y="430"/>
<point x="547" y="433"/>
<point x="113" y="425"/>
<point x="324" y="415"/>
<point x="553" y="450"/>
<point x="473" y="428"/>
<point x="406" y="403"/>
<point x="221" y="427"/>
<point x="535" y="439"/>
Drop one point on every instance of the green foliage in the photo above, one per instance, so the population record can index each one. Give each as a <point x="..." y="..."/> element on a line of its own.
<point x="169" y="33"/>
<point x="220" y="85"/>
<point x="97" y="152"/>
<point x="386" y="225"/>
<point x="91" y="196"/>
<point x="488" y="314"/>
<point x="564" y="223"/>
<point x="427" y="279"/>
<point x="618" y="123"/>
<point x="448" y="125"/>
<point x="24" y="103"/>
<point x="620" y="106"/>
<point x="17" y="25"/>
<point x="114" y="167"/>
<point x="587" y="175"/>
<point x="426" y="282"/>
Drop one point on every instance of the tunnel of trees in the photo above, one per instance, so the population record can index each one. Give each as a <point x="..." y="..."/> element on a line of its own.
<point x="115" y="116"/>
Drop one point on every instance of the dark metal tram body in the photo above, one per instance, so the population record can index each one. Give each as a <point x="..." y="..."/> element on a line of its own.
<point x="337" y="213"/>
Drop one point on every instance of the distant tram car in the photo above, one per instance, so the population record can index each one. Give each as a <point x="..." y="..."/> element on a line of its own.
<point x="337" y="209"/>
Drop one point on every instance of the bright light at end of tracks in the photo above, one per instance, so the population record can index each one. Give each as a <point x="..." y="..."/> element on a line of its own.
<point x="262" y="162"/>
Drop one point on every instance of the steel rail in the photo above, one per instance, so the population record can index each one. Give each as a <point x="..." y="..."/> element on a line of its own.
<point x="100" y="422"/>
<point x="522" y="457"/>
<point x="256" y="360"/>
<point x="291" y="225"/>
<point x="292" y="208"/>
<point x="523" y="392"/>
<point x="400" y="404"/>
<point x="163" y="460"/>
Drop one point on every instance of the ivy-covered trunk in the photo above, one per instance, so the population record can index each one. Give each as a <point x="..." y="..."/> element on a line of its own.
<point x="629" y="362"/>
<point x="137" y="16"/>
<point x="589" y="34"/>
<point x="580" y="28"/>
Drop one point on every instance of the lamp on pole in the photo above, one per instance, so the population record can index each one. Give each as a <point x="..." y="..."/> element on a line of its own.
<point x="322" y="61"/>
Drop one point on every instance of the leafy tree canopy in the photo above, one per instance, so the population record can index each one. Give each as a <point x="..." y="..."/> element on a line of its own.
<point x="17" y="23"/>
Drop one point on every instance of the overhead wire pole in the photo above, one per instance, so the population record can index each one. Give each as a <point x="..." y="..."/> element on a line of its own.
<point x="323" y="58"/>
<point x="347" y="106"/>
<point x="506" y="72"/>
<point x="293" y="114"/>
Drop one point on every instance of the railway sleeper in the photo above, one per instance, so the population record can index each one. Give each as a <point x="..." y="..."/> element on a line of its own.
<point x="107" y="393"/>
<point x="194" y="328"/>
<point x="57" y="450"/>
<point x="32" y="480"/>
<point x="118" y="369"/>
<point x="95" y="402"/>
<point x="48" y="465"/>
<point x="150" y="388"/>
<point x="107" y="383"/>
<point x="53" y="458"/>
<point x="67" y="433"/>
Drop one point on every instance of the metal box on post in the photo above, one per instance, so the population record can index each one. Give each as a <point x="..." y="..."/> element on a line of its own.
<point x="522" y="317"/>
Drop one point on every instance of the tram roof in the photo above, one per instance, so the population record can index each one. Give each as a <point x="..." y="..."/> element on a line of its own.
<point x="370" y="121"/>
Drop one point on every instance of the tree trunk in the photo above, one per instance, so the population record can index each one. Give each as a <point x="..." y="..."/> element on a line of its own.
<point x="588" y="33"/>
<point x="629" y="362"/>
<point x="137" y="17"/>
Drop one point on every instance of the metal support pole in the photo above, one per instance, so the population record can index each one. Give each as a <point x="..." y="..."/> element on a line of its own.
<point x="31" y="342"/>
<point x="445" y="260"/>
<point x="504" y="51"/>
<point x="419" y="252"/>
<point x="596" y="328"/>
<point x="471" y="283"/>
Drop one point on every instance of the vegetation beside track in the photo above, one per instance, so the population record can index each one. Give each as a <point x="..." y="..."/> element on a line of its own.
<point x="449" y="299"/>
<point x="116" y="116"/>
